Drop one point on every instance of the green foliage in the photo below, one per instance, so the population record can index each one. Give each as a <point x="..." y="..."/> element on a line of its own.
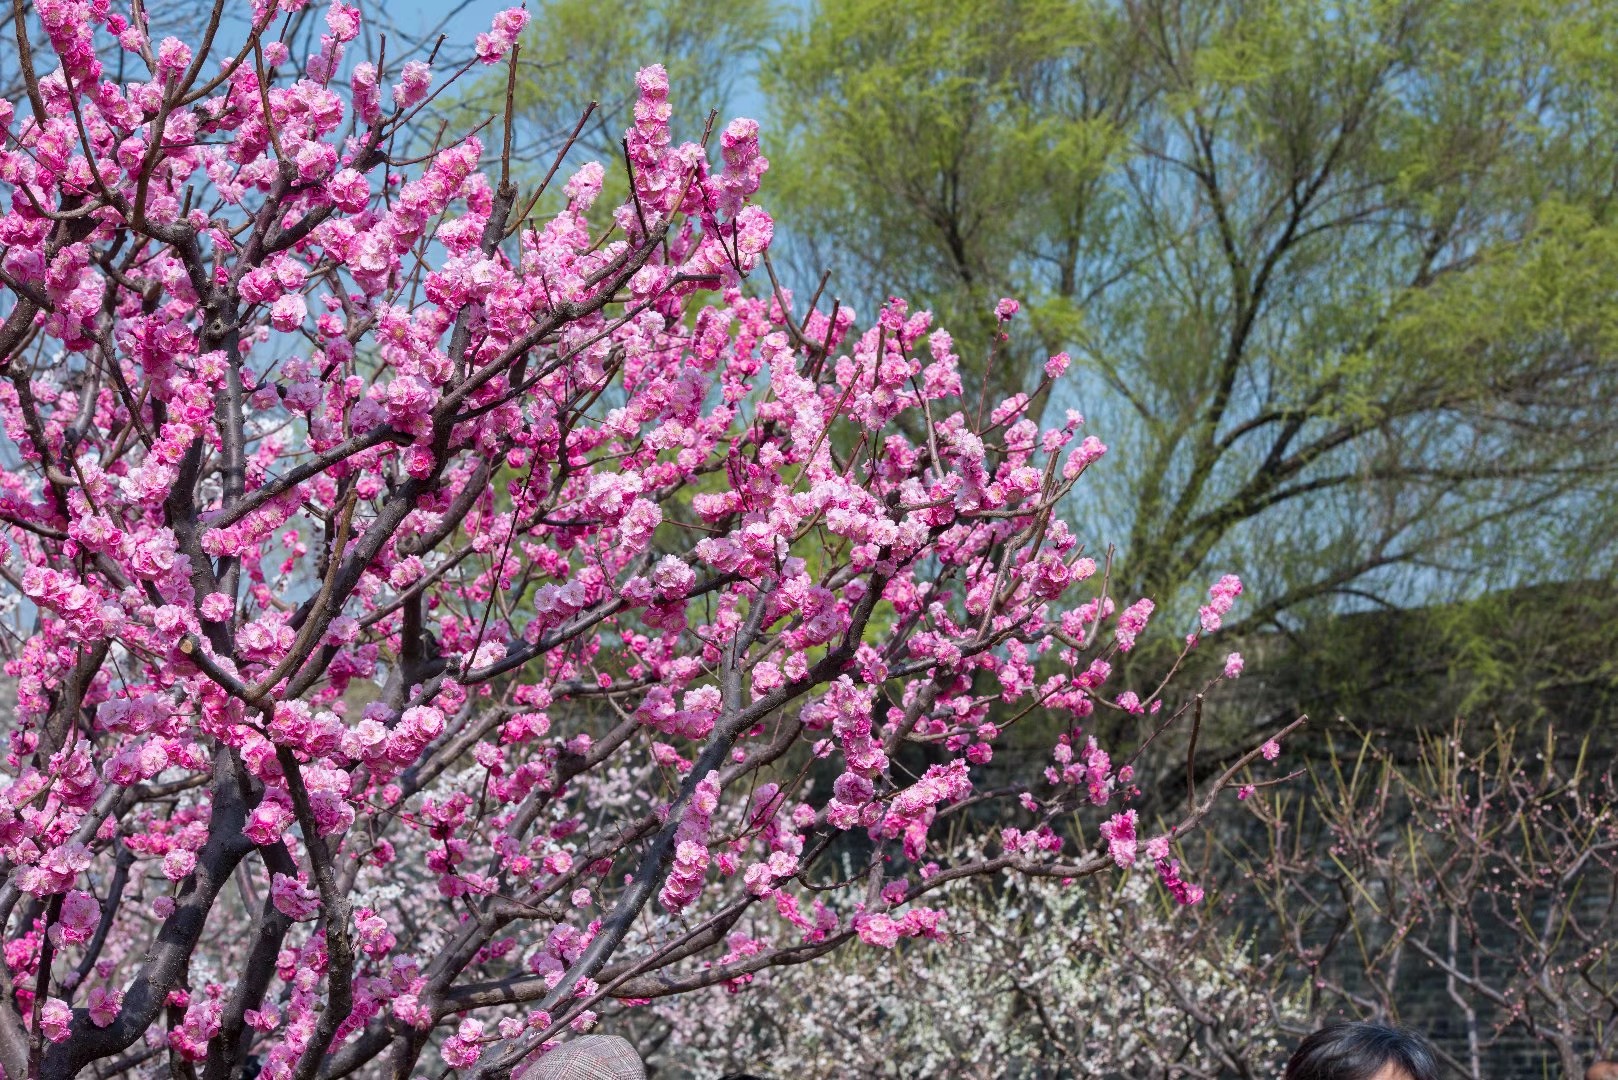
<point x="1521" y="656"/>
<point x="945" y="151"/>
<point x="1335" y="274"/>
<point x="1337" y="277"/>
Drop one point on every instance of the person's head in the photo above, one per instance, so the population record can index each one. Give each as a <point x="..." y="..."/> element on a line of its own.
<point x="592" y="1057"/>
<point x="1360" y="1051"/>
<point x="1602" y="1070"/>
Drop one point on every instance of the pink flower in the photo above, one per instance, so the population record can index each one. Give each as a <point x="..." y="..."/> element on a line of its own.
<point x="178" y="864"/>
<point x="293" y="898"/>
<point x="1168" y="870"/>
<point x="1119" y="833"/>
<point x="1221" y="595"/>
<point x="1271" y="750"/>
<point x="508" y="24"/>
<point x="853" y="788"/>
<point x="1089" y="451"/>
<point x="672" y="577"/>
<point x="879" y="930"/>
<point x="265" y="1019"/>
<point x="1005" y="309"/>
<point x="349" y="190"/>
<point x="367" y="96"/>
<point x="173" y="57"/>
<point x="414" y="80"/>
<point x="343" y="21"/>
<point x="1131" y="621"/>
<point x="1233" y="665"/>
<point x="270" y="819"/>
<point x="288" y="313"/>
<point x="104" y="1004"/>
<point x="81" y="912"/>
<point x="56" y="870"/>
<point x="56" y="1019"/>
<point x="462" y="1049"/>
<point x="582" y="189"/>
<point x="1056" y="365"/>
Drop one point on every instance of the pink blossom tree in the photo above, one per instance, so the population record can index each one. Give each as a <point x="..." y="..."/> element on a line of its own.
<point x="430" y="621"/>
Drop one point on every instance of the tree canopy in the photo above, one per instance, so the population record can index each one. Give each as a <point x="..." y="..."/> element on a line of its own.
<point x="1339" y="276"/>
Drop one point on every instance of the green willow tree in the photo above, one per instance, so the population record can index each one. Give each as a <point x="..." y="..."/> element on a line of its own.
<point x="1339" y="276"/>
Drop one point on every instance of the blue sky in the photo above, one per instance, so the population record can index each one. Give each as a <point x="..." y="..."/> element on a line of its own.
<point x="465" y="19"/>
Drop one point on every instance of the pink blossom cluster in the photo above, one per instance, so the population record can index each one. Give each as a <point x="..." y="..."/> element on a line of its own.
<point x="1221" y="596"/>
<point x="1131" y="622"/>
<point x="508" y="26"/>
<point x="691" y="855"/>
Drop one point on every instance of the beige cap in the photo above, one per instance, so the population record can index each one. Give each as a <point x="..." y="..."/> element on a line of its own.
<point x="592" y="1057"/>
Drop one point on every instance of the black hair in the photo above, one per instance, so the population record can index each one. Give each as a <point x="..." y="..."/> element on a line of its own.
<point x="1357" y="1051"/>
